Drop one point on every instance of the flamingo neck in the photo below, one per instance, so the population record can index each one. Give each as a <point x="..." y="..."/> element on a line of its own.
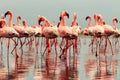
<point x="114" y="25"/>
<point x="89" y="22"/>
<point x="95" y="21"/>
<point x="62" y="22"/>
<point x="25" y="24"/>
<point x="74" y="22"/>
<point x="10" y="21"/>
<point x="10" y="24"/>
<point x="18" y="22"/>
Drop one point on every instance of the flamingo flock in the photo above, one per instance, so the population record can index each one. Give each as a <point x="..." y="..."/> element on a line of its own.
<point x="100" y="32"/>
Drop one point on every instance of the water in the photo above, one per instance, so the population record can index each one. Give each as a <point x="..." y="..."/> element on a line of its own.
<point x="82" y="66"/>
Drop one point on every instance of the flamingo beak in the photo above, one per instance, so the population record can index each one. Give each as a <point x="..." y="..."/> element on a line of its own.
<point x="40" y="20"/>
<point x="87" y="18"/>
<point x="116" y="20"/>
<point x="60" y="18"/>
<point x="104" y="22"/>
<point x="67" y="15"/>
<point x="19" y="17"/>
<point x="6" y="14"/>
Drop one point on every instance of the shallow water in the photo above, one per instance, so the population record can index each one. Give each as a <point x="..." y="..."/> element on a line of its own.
<point x="83" y="65"/>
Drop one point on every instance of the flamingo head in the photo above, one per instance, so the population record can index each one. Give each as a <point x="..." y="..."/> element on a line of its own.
<point x="24" y="22"/>
<point x="41" y="19"/>
<point x="8" y="12"/>
<point x="115" y="19"/>
<point x="64" y="13"/>
<point x="19" y="17"/>
<point x="88" y="17"/>
<point x="95" y="16"/>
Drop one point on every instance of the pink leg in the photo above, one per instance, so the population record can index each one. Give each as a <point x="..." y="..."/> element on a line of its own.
<point x="15" y="46"/>
<point x="61" y="44"/>
<point x="110" y="46"/>
<point x="22" y="42"/>
<point x="56" y="46"/>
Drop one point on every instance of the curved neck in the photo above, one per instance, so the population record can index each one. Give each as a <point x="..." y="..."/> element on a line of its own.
<point x="10" y="21"/>
<point x="62" y="22"/>
<point x="18" y="21"/>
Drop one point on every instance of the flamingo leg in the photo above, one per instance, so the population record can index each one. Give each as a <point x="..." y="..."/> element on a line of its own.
<point x="105" y="46"/>
<point x="8" y="54"/>
<point x="64" y="50"/>
<point x="22" y="43"/>
<point x="15" y="47"/>
<point x="61" y="44"/>
<point x="56" y="46"/>
<point x="41" y="45"/>
<point x="1" y="46"/>
<point x="110" y="46"/>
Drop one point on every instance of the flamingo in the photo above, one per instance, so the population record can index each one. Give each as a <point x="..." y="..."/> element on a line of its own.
<point x="114" y="19"/>
<point x="108" y="31"/>
<point x="10" y="24"/>
<point x="31" y="32"/>
<point x="66" y="32"/>
<point x="50" y="32"/>
<point x="76" y="29"/>
<point x="22" y="32"/>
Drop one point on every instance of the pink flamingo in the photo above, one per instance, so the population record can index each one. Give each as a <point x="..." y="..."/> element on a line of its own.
<point x="76" y="29"/>
<point x="50" y="32"/>
<point x="7" y="32"/>
<point x="31" y="32"/>
<point x="116" y="29"/>
<point x="108" y="31"/>
<point x="10" y="24"/>
<point x="65" y="32"/>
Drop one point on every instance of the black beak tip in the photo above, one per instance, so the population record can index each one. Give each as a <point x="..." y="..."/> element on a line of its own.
<point x="20" y="18"/>
<point x="86" y="18"/>
<point x="6" y="14"/>
<point x="67" y="15"/>
<point x="40" y="20"/>
<point x="116" y="21"/>
<point x="60" y="18"/>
